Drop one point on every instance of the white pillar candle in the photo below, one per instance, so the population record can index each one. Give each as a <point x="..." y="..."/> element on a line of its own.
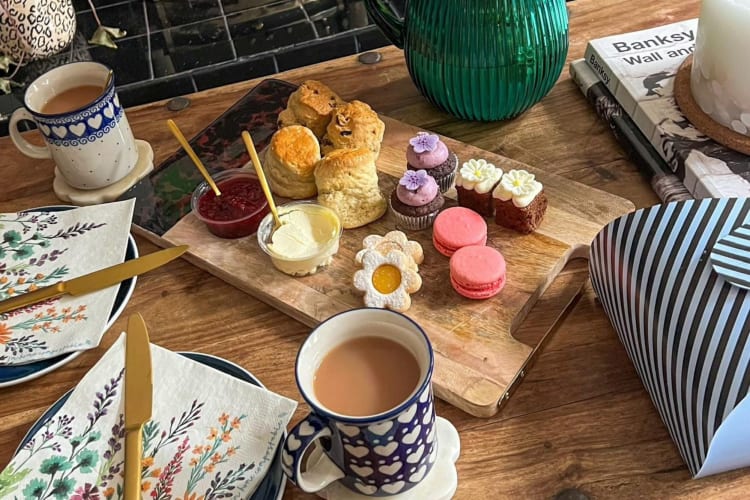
<point x="720" y="80"/>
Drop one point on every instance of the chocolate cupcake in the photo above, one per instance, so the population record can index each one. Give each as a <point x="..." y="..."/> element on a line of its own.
<point x="520" y="202"/>
<point x="474" y="184"/>
<point x="416" y="201"/>
<point x="427" y="152"/>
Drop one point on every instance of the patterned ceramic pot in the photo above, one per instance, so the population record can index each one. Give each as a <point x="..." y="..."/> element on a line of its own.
<point x="93" y="145"/>
<point x="36" y="28"/>
<point x="379" y="455"/>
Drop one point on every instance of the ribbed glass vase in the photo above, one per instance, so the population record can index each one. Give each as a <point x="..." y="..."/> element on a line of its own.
<point x="480" y="59"/>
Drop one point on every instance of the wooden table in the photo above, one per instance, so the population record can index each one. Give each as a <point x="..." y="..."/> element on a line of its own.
<point x="581" y="423"/>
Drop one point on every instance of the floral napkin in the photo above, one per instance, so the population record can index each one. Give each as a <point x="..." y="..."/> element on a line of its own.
<point x="41" y="248"/>
<point x="210" y="436"/>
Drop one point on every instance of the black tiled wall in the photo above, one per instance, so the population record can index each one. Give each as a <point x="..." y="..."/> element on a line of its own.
<point x="174" y="47"/>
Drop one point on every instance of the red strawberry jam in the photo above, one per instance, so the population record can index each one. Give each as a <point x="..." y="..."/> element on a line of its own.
<point x="239" y="209"/>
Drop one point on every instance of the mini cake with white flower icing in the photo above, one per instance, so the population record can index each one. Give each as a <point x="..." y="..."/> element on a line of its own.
<point x="520" y="202"/>
<point x="387" y="280"/>
<point x="474" y="183"/>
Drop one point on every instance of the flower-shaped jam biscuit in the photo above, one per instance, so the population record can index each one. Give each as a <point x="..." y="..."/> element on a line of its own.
<point x="393" y="240"/>
<point x="387" y="280"/>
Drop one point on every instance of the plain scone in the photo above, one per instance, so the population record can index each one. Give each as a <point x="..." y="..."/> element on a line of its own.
<point x="311" y="105"/>
<point x="352" y="126"/>
<point x="290" y="160"/>
<point x="347" y="182"/>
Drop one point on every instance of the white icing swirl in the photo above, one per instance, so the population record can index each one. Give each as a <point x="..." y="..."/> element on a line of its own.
<point x="478" y="175"/>
<point x="519" y="186"/>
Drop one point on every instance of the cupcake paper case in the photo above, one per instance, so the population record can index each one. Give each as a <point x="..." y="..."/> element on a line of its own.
<point x="416" y="201"/>
<point x="427" y="152"/>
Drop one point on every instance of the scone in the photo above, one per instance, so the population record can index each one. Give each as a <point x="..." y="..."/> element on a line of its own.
<point x="347" y="182"/>
<point x="290" y="160"/>
<point x="286" y="118"/>
<point x="354" y="125"/>
<point x="312" y="105"/>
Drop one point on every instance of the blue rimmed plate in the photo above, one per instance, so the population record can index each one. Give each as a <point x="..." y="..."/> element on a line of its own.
<point x="12" y="375"/>
<point x="273" y="484"/>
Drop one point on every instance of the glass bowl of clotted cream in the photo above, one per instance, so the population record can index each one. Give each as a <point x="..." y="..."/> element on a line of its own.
<point x="306" y="241"/>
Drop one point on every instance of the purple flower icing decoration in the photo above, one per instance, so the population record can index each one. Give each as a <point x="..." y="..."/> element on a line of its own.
<point x="414" y="179"/>
<point x="424" y="142"/>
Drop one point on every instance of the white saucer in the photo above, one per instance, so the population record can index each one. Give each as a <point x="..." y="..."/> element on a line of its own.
<point x="142" y="168"/>
<point x="439" y="484"/>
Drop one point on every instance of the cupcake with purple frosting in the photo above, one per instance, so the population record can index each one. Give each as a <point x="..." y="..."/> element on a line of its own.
<point x="427" y="152"/>
<point x="416" y="200"/>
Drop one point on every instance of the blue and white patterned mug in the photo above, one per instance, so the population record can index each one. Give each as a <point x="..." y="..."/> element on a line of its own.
<point x="379" y="455"/>
<point x="92" y="146"/>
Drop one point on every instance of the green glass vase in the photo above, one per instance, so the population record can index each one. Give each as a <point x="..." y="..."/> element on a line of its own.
<point x="479" y="59"/>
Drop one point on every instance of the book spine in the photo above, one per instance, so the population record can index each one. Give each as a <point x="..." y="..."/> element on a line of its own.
<point x="621" y="94"/>
<point x="638" y="148"/>
<point x="601" y="68"/>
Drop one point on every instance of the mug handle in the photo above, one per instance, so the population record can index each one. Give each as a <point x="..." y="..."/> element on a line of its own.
<point x="22" y="144"/>
<point x="300" y="438"/>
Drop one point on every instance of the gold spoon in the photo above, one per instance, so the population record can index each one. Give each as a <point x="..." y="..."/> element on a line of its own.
<point x="189" y="150"/>
<point x="261" y="176"/>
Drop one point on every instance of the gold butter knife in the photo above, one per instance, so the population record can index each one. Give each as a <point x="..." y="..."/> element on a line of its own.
<point x="138" y="401"/>
<point x="97" y="280"/>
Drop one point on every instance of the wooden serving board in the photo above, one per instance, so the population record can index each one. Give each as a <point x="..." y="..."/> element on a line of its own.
<point x="477" y="358"/>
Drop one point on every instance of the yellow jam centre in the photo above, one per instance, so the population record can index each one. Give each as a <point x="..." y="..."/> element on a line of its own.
<point x="386" y="279"/>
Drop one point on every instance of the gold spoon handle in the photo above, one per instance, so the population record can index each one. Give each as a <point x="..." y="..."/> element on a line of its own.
<point x="261" y="176"/>
<point x="189" y="150"/>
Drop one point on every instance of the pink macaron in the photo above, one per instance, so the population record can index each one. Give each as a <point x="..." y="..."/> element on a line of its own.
<point x="458" y="227"/>
<point x="477" y="271"/>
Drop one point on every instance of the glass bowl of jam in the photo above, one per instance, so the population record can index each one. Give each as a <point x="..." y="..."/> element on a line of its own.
<point x="239" y="209"/>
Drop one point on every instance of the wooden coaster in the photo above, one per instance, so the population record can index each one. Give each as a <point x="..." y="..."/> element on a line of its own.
<point x="700" y="120"/>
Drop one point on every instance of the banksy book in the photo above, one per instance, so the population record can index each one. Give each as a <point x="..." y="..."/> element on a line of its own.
<point x="638" y="69"/>
<point x="639" y="149"/>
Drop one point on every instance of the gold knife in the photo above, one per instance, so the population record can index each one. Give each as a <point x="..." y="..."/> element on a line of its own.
<point x="138" y="401"/>
<point x="97" y="280"/>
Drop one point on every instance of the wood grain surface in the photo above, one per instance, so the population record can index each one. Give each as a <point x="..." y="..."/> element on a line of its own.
<point x="580" y="423"/>
<point x="477" y="356"/>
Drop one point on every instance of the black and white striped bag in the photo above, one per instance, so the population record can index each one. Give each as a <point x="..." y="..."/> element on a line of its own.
<point x="673" y="280"/>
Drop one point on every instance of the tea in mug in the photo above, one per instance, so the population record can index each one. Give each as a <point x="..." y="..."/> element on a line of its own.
<point x="72" y="99"/>
<point x="366" y="376"/>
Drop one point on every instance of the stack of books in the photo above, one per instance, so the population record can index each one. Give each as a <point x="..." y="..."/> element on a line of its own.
<point x="628" y="79"/>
